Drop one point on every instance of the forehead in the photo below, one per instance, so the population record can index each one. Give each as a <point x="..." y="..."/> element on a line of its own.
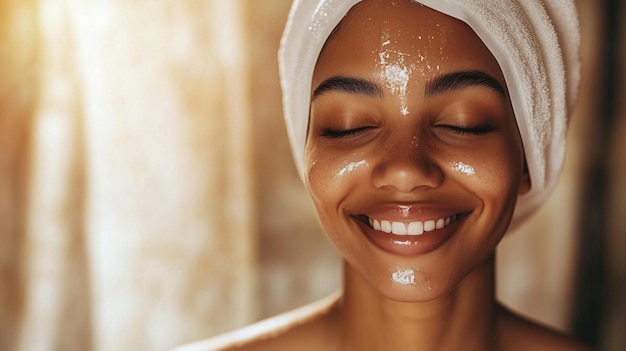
<point x="378" y="32"/>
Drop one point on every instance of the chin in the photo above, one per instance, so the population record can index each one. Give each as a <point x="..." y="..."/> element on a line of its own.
<point x="414" y="285"/>
<point x="404" y="281"/>
<point x="413" y="280"/>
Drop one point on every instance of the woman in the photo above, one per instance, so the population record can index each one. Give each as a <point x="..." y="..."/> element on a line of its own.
<point x="417" y="139"/>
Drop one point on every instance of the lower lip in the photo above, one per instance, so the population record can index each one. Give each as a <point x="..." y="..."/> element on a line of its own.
<point x="409" y="244"/>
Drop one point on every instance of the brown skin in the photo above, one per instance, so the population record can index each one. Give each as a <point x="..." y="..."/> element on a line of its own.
<point x="399" y="161"/>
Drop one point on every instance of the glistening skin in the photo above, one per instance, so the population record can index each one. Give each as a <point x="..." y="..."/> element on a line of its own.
<point x="424" y="173"/>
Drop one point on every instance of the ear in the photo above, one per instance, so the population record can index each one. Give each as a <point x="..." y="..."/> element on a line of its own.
<point x="525" y="183"/>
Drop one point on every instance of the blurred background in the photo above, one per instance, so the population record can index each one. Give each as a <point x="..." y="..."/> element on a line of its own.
<point x="148" y="196"/>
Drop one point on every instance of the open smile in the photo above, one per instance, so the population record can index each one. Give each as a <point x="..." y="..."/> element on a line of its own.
<point x="409" y="236"/>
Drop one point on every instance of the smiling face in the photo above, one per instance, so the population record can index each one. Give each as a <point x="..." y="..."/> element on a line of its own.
<point x="413" y="158"/>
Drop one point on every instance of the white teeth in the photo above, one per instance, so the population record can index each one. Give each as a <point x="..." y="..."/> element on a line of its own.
<point x="385" y="226"/>
<point x="398" y="228"/>
<point x="440" y="223"/>
<point x="376" y="224"/>
<point x="429" y="226"/>
<point x="415" y="228"/>
<point x="412" y="228"/>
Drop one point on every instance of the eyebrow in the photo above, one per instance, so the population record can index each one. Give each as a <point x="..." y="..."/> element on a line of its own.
<point x="348" y="85"/>
<point x="442" y="84"/>
<point x="461" y="80"/>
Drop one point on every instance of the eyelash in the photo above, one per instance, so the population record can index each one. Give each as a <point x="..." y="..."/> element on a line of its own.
<point x="339" y="134"/>
<point x="479" y="130"/>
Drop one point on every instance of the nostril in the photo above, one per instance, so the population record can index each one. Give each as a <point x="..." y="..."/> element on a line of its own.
<point x="407" y="173"/>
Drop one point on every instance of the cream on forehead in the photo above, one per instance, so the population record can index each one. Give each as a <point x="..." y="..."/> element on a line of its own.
<point x="395" y="67"/>
<point x="393" y="70"/>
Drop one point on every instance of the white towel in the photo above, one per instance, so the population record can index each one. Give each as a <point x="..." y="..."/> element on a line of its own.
<point x="536" y="43"/>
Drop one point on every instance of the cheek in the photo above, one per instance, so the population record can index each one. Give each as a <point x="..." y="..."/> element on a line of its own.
<point x="331" y="176"/>
<point x="494" y="174"/>
<point x="330" y="179"/>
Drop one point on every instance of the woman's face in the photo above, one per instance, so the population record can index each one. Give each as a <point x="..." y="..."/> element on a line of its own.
<point x="413" y="158"/>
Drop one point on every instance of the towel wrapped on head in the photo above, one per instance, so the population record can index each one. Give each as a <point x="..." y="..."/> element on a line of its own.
<point x="536" y="44"/>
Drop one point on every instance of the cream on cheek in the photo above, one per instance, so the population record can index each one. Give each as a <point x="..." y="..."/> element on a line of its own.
<point x="330" y="173"/>
<point x="479" y="171"/>
<point x="350" y="167"/>
<point x="492" y="175"/>
<point x="463" y="168"/>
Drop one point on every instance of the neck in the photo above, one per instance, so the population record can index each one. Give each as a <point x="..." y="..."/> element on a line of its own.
<point x="463" y="319"/>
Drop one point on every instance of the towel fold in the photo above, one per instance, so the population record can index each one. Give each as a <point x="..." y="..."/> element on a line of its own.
<point x="535" y="42"/>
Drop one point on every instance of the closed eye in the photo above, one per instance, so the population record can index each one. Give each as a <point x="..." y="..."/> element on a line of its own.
<point x="342" y="133"/>
<point x="479" y="130"/>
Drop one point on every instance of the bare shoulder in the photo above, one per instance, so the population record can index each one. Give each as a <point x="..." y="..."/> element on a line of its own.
<point x="302" y="326"/>
<point x="518" y="333"/>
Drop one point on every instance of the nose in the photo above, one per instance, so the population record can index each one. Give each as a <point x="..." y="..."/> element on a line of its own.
<point x="407" y="167"/>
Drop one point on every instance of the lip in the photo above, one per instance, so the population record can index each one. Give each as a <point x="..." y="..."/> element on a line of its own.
<point x="408" y="245"/>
